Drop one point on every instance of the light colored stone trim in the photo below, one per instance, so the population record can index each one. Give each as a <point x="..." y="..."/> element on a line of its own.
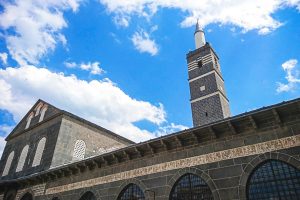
<point x="194" y="64"/>
<point x="204" y="97"/>
<point x="37" y="190"/>
<point x="248" y="150"/>
<point x="206" y="74"/>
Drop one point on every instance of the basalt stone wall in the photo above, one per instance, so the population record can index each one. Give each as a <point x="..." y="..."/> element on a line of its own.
<point x="97" y="141"/>
<point x="31" y="137"/>
<point x="225" y="164"/>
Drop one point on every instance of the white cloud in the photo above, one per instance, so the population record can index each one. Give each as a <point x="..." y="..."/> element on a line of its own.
<point x="101" y="102"/>
<point x="246" y="14"/>
<point x="70" y="64"/>
<point x="2" y="145"/>
<point x="170" y="128"/>
<point x="4" y="131"/>
<point x="3" y="58"/>
<point x="34" y="27"/>
<point x="115" y="38"/>
<point x="292" y="76"/>
<point x="92" y="67"/>
<point x="142" y="42"/>
<point x="121" y="21"/>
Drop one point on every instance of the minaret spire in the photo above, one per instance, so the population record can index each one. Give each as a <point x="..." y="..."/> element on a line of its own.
<point x="199" y="36"/>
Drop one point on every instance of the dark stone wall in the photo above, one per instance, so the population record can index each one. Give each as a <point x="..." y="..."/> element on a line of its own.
<point x="216" y="107"/>
<point x="207" y="110"/>
<point x="51" y="111"/>
<point x="31" y="137"/>
<point x="94" y="139"/>
<point x="227" y="179"/>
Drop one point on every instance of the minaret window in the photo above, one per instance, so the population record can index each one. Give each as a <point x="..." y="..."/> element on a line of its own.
<point x="22" y="158"/>
<point x="29" y="118"/>
<point x="202" y="88"/>
<point x="200" y="64"/>
<point x="39" y="152"/>
<point x="8" y="163"/>
<point x="216" y="63"/>
<point x="79" y="150"/>
<point x="43" y="111"/>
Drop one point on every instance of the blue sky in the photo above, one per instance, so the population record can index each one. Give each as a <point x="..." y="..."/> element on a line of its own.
<point x="121" y="64"/>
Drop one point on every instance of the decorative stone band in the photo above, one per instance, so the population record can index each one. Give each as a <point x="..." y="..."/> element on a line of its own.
<point x="194" y="64"/>
<point x="249" y="150"/>
<point x="206" y="74"/>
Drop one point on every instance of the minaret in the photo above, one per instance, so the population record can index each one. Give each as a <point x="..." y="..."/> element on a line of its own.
<point x="209" y="102"/>
<point x="199" y="36"/>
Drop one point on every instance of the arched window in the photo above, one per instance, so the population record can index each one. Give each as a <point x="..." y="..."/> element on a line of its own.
<point x="274" y="180"/>
<point x="131" y="192"/>
<point x="29" y="118"/>
<point x="79" y="150"/>
<point x="191" y="187"/>
<point x="22" y="158"/>
<point x="39" y="152"/>
<point x="88" y="196"/>
<point x="43" y="111"/>
<point x="38" y="109"/>
<point x="8" y="163"/>
<point x="27" y="196"/>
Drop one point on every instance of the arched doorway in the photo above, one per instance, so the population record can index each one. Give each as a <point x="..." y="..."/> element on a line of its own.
<point x="191" y="187"/>
<point x="274" y="179"/>
<point x="131" y="192"/>
<point x="88" y="196"/>
<point x="27" y="196"/>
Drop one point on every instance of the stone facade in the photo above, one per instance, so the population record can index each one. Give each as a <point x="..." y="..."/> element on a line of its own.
<point x="60" y="129"/>
<point x="97" y="141"/>
<point x="209" y="102"/>
<point x="223" y="154"/>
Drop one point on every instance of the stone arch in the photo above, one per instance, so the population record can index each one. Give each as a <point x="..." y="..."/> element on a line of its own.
<point x="89" y="190"/>
<point x="40" y="148"/>
<point x="8" y="163"/>
<point x="27" y="195"/>
<point x="258" y="160"/>
<point x="55" y="197"/>
<point x="132" y="181"/>
<point x="22" y="158"/>
<point x="195" y="171"/>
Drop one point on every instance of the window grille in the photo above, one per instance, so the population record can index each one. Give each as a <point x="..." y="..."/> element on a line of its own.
<point x="79" y="150"/>
<point x="8" y="163"/>
<point x="27" y="196"/>
<point x="132" y="192"/>
<point x="274" y="180"/>
<point x="22" y="158"/>
<point x="88" y="196"/>
<point x="39" y="152"/>
<point x="191" y="187"/>
<point x="43" y="111"/>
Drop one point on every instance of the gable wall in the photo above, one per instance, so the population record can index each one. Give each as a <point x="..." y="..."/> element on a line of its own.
<point x="31" y="137"/>
<point x="97" y="141"/>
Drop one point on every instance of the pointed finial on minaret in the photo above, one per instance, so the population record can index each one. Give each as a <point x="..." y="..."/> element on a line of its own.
<point x="198" y="27"/>
<point x="199" y="36"/>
